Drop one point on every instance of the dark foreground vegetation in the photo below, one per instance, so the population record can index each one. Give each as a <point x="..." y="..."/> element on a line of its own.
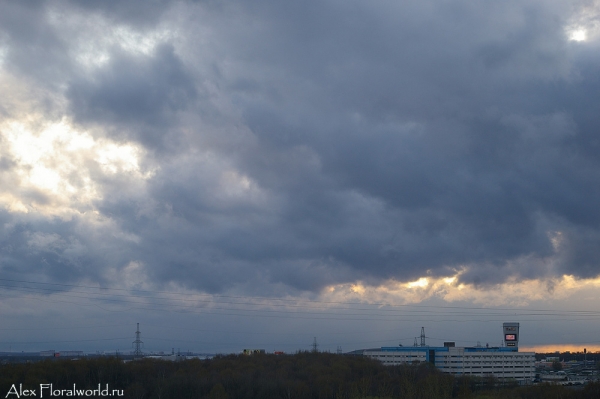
<point x="304" y="375"/>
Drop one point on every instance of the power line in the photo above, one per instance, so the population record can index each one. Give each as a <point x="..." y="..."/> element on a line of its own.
<point x="591" y="312"/>
<point x="65" y="328"/>
<point x="293" y="309"/>
<point x="65" y="341"/>
<point x="218" y="311"/>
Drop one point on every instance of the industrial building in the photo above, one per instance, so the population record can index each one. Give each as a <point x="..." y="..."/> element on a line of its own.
<point x="505" y="362"/>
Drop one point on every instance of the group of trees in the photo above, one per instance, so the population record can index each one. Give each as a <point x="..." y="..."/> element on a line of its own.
<point x="303" y="375"/>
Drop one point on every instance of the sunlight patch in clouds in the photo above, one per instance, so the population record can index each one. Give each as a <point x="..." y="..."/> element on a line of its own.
<point x="513" y="292"/>
<point x="578" y="35"/>
<point x="59" y="165"/>
<point x="117" y="158"/>
<point x="421" y="283"/>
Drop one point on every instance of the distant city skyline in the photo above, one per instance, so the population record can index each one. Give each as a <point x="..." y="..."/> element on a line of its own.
<point x="254" y="174"/>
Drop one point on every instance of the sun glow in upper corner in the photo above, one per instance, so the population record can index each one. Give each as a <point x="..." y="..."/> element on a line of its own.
<point x="578" y="35"/>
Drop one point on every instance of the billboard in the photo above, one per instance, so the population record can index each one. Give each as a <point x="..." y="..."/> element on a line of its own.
<point x="511" y="334"/>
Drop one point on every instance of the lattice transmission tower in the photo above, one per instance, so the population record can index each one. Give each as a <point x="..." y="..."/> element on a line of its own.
<point x="138" y="342"/>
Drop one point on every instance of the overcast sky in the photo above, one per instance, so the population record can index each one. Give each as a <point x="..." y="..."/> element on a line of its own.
<point x="236" y="174"/>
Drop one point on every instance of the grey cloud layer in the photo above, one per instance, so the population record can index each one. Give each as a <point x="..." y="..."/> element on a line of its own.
<point x="326" y="142"/>
<point x="141" y="96"/>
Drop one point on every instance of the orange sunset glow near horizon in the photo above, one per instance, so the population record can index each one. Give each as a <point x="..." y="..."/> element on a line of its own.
<point x="561" y="348"/>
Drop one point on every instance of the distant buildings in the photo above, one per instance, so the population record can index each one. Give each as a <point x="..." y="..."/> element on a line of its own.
<point x="52" y="353"/>
<point x="253" y="351"/>
<point x="500" y="362"/>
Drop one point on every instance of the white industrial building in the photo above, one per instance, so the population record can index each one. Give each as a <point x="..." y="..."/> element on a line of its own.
<point x="504" y="362"/>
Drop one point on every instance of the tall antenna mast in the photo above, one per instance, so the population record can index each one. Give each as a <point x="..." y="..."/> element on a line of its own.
<point x="138" y="342"/>
<point x="423" y="336"/>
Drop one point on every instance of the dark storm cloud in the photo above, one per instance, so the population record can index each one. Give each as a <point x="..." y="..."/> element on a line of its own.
<point x="380" y="140"/>
<point x="140" y="94"/>
<point x="453" y="132"/>
<point x="31" y="49"/>
<point x="54" y="250"/>
<point x="33" y="46"/>
<point x="129" y="12"/>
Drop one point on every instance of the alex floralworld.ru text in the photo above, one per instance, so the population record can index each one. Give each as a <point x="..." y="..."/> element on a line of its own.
<point x="46" y="390"/>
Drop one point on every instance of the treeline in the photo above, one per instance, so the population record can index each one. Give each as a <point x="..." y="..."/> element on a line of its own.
<point x="304" y="375"/>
